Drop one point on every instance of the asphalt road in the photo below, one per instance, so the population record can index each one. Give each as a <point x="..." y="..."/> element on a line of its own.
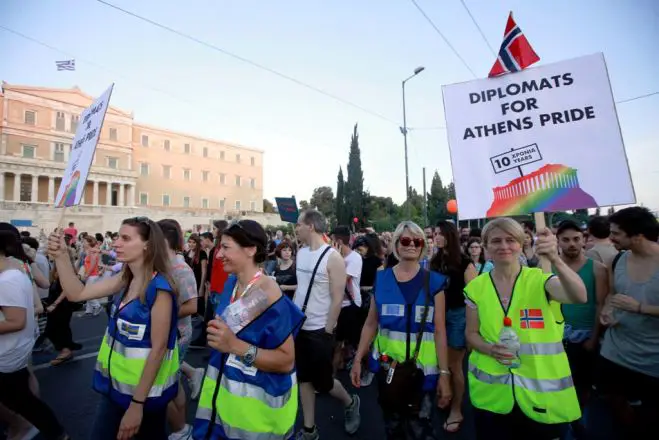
<point x="67" y="389"/>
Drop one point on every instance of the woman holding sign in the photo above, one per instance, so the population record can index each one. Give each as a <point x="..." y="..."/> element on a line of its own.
<point x="137" y="366"/>
<point x="520" y="382"/>
<point x="250" y="389"/>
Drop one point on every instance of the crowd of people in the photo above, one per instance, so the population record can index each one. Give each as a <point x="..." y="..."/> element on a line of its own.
<point x="416" y="312"/>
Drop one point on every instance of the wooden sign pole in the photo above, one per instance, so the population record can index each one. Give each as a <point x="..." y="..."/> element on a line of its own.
<point x="540" y="224"/>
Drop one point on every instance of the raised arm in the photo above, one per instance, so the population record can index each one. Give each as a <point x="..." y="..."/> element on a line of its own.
<point x="567" y="287"/>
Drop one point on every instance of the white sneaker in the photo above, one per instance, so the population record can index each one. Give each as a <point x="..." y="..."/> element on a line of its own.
<point x="183" y="434"/>
<point x="367" y="379"/>
<point x="195" y="382"/>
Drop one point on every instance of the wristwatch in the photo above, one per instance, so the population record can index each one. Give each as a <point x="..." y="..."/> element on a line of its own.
<point x="250" y="356"/>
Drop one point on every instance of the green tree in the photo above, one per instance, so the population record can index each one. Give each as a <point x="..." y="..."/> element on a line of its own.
<point x="450" y="191"/>
<point x="354" y="186"/>
<point x="304" y="205"/>
<point x="268" y="206"/>
<point x="437" y="199"/>
<point x="323" y="200"/>
<point x="339" y="202"/>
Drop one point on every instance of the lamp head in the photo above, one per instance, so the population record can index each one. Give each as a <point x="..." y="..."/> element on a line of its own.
<point x="419" y="70"/>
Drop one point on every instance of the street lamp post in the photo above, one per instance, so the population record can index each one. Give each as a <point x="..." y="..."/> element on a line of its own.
<point x="403" y="130"/>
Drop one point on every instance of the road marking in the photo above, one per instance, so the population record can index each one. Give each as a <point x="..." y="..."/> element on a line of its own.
<point x="75" y="359"/>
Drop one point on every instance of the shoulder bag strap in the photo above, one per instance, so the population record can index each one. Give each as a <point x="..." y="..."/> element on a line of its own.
<point x="424" y="318"/>
<point x="313" y="275"/>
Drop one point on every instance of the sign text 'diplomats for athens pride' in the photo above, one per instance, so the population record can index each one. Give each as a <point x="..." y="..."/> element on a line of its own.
<point x="543" y="139"/>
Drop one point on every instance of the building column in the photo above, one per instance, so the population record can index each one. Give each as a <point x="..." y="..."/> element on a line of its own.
<point x="51" y="189"/>
<point x="108" y="194"/>
<point x="35" y="188"/>
<point x="121" y="195"/>
<point x="95" y="198"/>
<point x="131" y="196"/>
<point x="2" y="186"/>
<point x="17" y="187"/>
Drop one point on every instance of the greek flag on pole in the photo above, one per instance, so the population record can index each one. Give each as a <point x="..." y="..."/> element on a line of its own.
<point x="66" y="65"/>
<point x="516" y="53"/>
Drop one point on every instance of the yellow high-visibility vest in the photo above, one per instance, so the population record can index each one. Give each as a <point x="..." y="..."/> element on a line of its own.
<point x="542" y="386"/>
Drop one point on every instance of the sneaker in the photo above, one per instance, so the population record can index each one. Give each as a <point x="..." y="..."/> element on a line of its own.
<point x="353" y="419"/>
<point x="304" y="435"/>
<point x="195" y="382"/>
<point x="183" y="434"/>
<point x="367" y="378"/>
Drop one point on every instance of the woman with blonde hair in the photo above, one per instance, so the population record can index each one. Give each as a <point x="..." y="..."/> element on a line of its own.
<point x="528" y="393"/>
<point x="407" y="321"/>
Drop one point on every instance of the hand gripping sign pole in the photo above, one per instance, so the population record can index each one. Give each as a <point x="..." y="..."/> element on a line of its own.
<point x="74" y="180"/>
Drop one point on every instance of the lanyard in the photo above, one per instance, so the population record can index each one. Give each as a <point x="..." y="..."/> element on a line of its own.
<point x="249" y="286"/>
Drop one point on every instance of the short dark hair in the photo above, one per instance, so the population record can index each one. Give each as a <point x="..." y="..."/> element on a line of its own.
<point x="31" y="241"/>
<point x="207" y="236"/>
<point x="11" y="248"/>
<point x="475" y="233"/>
<point x="99" y="237"/>
<point x="567" y="225"/>
<point x="248" y="233"/>
<point x="25" y="233"/>
<point x="71" y="224"/>
<point x="221" y="225"/>
<point x="342" y="233"/>
<point x="285" y="244"/>
<point x="599" y="227"/>
<point x="528" y="224"/>
<point x="637" y="220"/>
<point x="171" y="229"/>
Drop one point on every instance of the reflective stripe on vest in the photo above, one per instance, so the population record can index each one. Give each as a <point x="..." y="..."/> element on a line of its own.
<point x="128" y="365"/>
<point x="246" y="411"/>
<point x="401" y="337"/>
<point x="535" y="385"/>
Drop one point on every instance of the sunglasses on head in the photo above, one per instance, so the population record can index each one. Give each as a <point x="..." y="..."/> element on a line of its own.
<point x="406" y="241"/>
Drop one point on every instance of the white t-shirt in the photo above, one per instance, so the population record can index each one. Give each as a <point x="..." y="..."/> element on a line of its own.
<point x="354" y="264"/>
<point x="320" y="298"/>
<point x="16" y="347"/>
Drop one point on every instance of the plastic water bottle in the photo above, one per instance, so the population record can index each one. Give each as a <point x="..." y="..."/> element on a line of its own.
<point x="243" y="311"/>
<point x="508" y="338"/>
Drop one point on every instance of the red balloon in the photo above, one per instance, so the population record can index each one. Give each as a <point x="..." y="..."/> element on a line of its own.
<point x="452" y="206"/>
<point x="355" y="220"/>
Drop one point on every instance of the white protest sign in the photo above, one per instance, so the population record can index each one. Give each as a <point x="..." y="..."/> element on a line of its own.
<point x="83" y="147"/>
<point x="543" y="139"/>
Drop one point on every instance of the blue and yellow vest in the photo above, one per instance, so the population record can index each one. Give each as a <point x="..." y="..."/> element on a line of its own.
<point x="542" y="386"/>
<point x="126" y="346"/>
<point x="397" y="319"/>
<point x="245" y="402"/>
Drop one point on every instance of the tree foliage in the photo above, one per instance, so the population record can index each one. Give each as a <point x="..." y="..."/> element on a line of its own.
<point x="268" y="206"/>
<point x="323" y="200"/>
<point x="339" y="203"/>
<point x="354" y="186"/>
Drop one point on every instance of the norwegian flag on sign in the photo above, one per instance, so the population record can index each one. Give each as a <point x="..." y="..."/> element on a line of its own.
<point x="531" y="318"/>
<point x="515" y="53"/>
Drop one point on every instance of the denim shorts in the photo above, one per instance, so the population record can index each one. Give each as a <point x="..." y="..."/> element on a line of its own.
<point x="456" y="321"/>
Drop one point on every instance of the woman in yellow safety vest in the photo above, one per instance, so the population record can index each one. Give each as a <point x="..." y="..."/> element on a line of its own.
<point x="528" y="394"/>
<point x="250" y="390"/>
<point x="137" y="366"/>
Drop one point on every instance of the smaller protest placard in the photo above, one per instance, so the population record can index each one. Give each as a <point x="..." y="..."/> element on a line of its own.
<point x="83" y="147"/>
<point x="288" y="210"/>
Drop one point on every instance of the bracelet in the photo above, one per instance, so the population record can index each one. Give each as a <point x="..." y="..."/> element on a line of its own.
<point x="139" y="402"/>
<point x="444" y="372"/>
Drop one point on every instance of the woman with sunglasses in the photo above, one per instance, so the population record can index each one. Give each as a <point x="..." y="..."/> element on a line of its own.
<point x="410" y="352"/>
<point x="250" y="389"/>
<point x="137" y="366"/>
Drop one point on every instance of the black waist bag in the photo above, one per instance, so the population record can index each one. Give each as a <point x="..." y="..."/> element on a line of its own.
<point x="403" y="393"/>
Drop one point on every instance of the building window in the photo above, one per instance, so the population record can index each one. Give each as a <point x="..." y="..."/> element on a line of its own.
<point x="252" y="206"/>
<point x="113" y="134"/>
<point x="204" y="176"/>
<point x="205" y="151"/>
<point x="60" y="122"/>
<point x="29" y="151"/>
<point x="237" y="158"/>
<point x="167" y="171"/>
<point x="186" y="202"/>
<point x="74" y="123"/>
<point x="144" y="169"/>
<point x="204" y="203"/>
<point x="252" y="161"/>
<point x="113" y="162"/>
<point x="30" y="117"/>
<point x="58" y="153"/>
<point x="221" y="155"/>
<point x="144" y="199"/>
<point x="145" y="140"/>
<point x="252" y="183"/>
<point x="26" y="190"/>
<point x="166" y="145"/>
<point x="237" y="180"/>
<point x="222" y="203"/>
<point x="165" y="200"/>
<point x="223" y="179"/>
<point x="237" y="205"/>
<point x="186" y="174"/>
<point x="186" y="148"/>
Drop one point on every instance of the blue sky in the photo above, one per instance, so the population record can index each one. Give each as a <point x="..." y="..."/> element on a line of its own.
<point x="359" y="51"/>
